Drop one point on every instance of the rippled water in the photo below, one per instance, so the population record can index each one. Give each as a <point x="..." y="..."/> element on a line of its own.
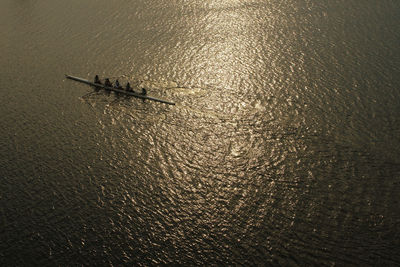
<point x="283" y="148"/>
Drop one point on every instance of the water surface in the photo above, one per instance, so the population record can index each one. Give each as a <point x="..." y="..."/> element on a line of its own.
<point x="283" y="148"/>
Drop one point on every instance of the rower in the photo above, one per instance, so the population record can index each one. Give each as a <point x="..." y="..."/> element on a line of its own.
<point x="96" y="79"/>
<point x="107" y="83"/>
<point x="128" y="87"/>
<point x="144" y="92"/>
<point x="117" y="84"/>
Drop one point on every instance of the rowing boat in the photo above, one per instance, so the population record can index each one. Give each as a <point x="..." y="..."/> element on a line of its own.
<point x="119" y="90"/>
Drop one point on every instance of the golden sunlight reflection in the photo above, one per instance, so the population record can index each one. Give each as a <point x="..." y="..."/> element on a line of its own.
<point x="282" y="148"/>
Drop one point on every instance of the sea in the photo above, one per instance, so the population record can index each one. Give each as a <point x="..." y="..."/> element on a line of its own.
<point x="283" y="148"/>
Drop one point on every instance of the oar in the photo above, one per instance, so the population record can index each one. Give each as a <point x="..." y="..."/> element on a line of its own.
<point x="87" y="94"/>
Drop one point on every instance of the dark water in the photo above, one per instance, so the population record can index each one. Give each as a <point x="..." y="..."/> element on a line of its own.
<point x="283" y="148"/>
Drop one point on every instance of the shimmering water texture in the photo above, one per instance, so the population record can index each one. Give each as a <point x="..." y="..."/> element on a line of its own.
<point x="283" y="148"/>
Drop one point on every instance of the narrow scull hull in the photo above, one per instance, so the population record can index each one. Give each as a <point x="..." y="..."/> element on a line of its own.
<point x="118" y="90"/>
